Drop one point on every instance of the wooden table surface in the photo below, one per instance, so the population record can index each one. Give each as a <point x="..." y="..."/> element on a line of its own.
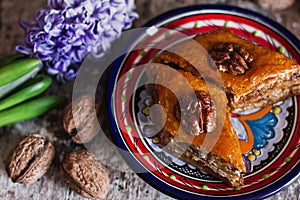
<point x="124" y="183"/>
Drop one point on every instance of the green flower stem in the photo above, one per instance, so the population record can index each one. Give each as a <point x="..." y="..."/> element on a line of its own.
<point x="28" y="110"/>
<point x="15" y="74"/>
<point x="39" y="86"/>
<point x="15" y="70"/>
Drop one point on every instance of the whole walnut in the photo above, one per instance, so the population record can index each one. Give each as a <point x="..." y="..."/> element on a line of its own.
<point x="85" y="174"/>
<point x="30" y="159"/>
<point x="80" y="119"/>
<point x="275" y="4"/>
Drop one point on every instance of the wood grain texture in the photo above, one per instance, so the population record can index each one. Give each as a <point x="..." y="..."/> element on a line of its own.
<point x="124" y="183"/>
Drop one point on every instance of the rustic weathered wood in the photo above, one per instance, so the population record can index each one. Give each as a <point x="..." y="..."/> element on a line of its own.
<point x="124" y="183"/>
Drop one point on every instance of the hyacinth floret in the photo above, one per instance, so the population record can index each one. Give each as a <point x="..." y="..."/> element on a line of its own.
<point x="65" y="32"/>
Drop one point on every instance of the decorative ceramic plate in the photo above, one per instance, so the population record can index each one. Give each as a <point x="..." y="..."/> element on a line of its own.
<point x="269" y="137"/>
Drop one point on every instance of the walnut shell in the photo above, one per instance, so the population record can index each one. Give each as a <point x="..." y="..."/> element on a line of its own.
<point x="30" y="159"/>
<point x="85" y="174"/>
<point x="79" y="119"/>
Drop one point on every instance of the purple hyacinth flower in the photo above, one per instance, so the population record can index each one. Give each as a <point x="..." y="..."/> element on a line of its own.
<point x="65" y="31"/>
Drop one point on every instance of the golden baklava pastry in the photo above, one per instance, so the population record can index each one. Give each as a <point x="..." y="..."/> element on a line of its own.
<point x="253" y="76"/>
<point x="195" y="123"/>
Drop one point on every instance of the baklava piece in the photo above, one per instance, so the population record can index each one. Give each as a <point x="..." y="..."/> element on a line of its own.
<point x="253" y="76"/>
<point x="196" y="123"/>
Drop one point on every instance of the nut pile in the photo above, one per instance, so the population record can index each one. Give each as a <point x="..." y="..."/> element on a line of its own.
<point x="32" y="156"/>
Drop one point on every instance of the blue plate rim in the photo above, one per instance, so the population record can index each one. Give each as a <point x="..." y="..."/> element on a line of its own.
<point x="134" y="164"/>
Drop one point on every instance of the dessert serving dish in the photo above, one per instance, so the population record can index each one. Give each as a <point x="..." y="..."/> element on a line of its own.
<point x="268" y="136"/>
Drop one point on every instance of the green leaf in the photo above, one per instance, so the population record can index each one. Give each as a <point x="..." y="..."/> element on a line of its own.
<point x="17" y="69"/>
<point x="39" y="86"/>
<point x="30" y="109"/>
<point x="10" y="58"/>
<point x="11" y="83"/>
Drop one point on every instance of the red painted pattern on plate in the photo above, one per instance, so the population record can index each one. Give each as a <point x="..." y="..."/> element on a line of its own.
<point x="125" y="87"/>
